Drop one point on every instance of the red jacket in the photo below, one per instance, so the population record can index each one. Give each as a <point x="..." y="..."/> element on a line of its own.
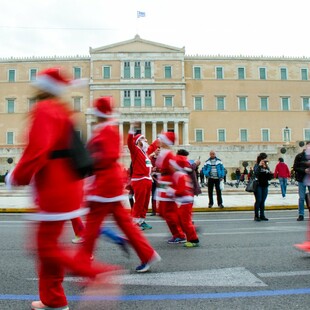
<point x="57" y="187"/>
<point x="141" y="164"/>
<point x="105" y="149"/>
<point x="282" y="171"/>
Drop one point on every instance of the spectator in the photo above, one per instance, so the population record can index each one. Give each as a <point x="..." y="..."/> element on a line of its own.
<point x="263" y="175"/>
<point x="251" y="173"/>
<point x="282" y="172"/>
<point x="214" y="171"/>
<point x="300" y="167"/>
<point x="238" y="175"/>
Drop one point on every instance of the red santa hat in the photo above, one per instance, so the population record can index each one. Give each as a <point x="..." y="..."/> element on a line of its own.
<point x="137" y="137"/>
<point x="167" y="137"/>
<point x="163" y="160"/>
<point x="103" y="107"/>
<point x="180" y="163"/>
<point x="53" y="81"/>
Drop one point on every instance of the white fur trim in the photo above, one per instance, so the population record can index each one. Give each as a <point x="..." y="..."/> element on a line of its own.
<point x="105" y="199"/>
<point x="104" y="115"/>
<point x="165" y="140"/>
<point x="142" y="136"/>
<point x="50" y="85"/>
<point x="52" y="217"/>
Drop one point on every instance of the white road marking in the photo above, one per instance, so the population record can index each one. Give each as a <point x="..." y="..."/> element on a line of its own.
<point x="229" y="277"/>
<point x="284" y="274"/>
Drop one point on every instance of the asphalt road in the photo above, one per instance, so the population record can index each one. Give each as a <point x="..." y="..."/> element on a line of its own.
<point x="241" y="264"/>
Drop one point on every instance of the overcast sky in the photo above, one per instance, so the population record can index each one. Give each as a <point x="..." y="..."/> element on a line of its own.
<point x="204" y="27"/>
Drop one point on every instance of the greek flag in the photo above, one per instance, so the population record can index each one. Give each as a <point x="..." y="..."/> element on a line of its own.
<point x="140" y="14"/>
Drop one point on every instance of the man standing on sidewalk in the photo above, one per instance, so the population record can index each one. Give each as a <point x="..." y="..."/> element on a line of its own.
<point x="214" y="171"/>
<point x="300" y="166"/>
<point x="282" y="172"/>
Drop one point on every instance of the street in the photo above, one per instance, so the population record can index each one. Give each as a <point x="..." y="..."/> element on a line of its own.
<point x="241" y="264"/>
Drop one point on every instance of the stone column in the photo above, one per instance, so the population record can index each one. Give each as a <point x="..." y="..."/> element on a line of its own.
<point x="143" y="128"/>
<point x="185" y="133"/>
<point x="176" y="131"/>
<point x="154" y="131"/>
<point x="165" y="128"/>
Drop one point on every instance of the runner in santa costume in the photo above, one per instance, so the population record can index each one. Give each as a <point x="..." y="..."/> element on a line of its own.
<point x="141" y="180"/>
<point x="183" y="192"/>
<point x="167" y="206"/>
<point x="106" y="193"/>
<point x="57" y="187"/>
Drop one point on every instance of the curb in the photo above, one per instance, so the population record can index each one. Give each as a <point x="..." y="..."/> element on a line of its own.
<point x="206" y="209"/>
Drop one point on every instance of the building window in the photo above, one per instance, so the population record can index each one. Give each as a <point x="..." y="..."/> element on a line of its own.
<point x="10" y="137"/>
<point x="283" y="73"/>
<point x="147" y="70"/>
<point x="12" y="75"/>
<point x="304" y="74"/>
<point x="137" y="72"/>
<point x="198" y="135"/>
<point x="198" y="103"/>
<point x="307" y="134"/>
<point x="221" y="135"/>
<point x="126" y="102"/>
<point x="286" y="132"/>
<point x="243" y="135"/>
<point x="265" y="135"/>
<point x="264" y="103"/>
<point x="219" y="72"/>
<point x="31" y="103"/>
<point x="77" y="104"/>
<point x="126" y="70"/>
<point x="197" y="73"/>
<point x="33" y="74"/>
<point x="168" y="101"/>
<point x="262" y="74"/>
<point x="77" y="73"/>
<point x="107" y="72"/>
<point x="285" y="104"/>
<point x="220" y="103"/>
<point x="137" y="99"/>
<point x="11" y="105"/>
<point x="241" y="73"/>
<point x="306" y="104"/>
<point x="148" y="98"/>
<point x="242" y="102"/>
<point x="168" y="72"/>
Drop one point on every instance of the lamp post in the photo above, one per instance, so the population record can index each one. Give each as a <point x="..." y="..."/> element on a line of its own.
<point x="286" y="135"/>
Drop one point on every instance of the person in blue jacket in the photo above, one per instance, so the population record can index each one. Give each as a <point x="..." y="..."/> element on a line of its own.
<point x="214" y="170"/>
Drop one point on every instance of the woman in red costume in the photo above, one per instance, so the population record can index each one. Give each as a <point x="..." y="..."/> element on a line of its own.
<point x="58" y="190"/>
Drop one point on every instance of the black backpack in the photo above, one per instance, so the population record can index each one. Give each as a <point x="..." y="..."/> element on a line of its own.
<point x="81" y="160"/>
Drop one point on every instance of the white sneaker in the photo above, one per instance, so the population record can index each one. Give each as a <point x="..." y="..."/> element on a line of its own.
<point x="77" y="240"/>
<point x="145" y="267"/>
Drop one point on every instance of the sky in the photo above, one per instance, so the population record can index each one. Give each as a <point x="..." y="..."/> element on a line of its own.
<point x="203" y="27"/>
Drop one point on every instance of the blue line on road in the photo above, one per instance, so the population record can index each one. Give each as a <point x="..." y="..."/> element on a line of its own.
<point x="300" y="291"/>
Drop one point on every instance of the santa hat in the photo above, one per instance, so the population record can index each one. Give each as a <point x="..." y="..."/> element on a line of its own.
<point x="103" y="107"/>
<point x="137" y="137"/>
<point x="167" y="137"/>
<point x="181" y="163"/>
<point x="163" y="160"/>
<point x="53" y="81"/>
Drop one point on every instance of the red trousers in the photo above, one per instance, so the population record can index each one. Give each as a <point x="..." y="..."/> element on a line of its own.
<point x="142" y="191"/>
<point x="169" y="211"/>
<point x="54" y="259"/>
<point x="78" y="226"/>
<point x="98" y="212"/>
<point x="185" y="216"/>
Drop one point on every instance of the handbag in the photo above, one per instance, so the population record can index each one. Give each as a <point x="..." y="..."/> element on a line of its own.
<point x="252" y="185"/>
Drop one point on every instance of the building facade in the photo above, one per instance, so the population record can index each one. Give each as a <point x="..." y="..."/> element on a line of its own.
<point x="238" y="106"/>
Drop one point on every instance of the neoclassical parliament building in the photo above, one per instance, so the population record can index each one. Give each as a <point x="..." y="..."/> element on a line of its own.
<point x="238" y="106"/>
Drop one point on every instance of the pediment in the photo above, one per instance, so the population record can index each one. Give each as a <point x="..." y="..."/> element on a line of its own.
<point x="136" y="45"/>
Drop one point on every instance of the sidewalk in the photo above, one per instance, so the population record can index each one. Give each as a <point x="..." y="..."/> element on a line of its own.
<point x="234" y="199"/>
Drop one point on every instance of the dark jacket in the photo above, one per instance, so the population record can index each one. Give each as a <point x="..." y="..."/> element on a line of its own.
<point x="263" y="175"/>
<point x="300" y="165"/>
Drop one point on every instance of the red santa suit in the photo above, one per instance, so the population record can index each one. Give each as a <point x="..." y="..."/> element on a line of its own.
<point x="106" y="193"/>
<point x="57" y="187"/>
<point x="141" y="180"/>
<point x="167" y="206"/>
<point x="182" y="190"/>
